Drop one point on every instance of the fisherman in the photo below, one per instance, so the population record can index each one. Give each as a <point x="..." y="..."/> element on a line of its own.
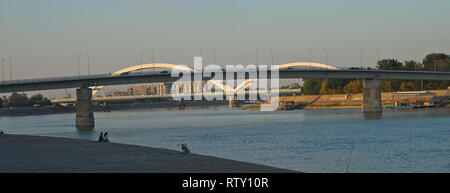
<point x="100" y="138"/>
<point x="105" y="137"/>
<point x="185" y="149"/>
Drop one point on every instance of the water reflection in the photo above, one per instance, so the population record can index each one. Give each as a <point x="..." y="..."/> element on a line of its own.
<point x="372" y="116"/>
<point x="84" y="129"/>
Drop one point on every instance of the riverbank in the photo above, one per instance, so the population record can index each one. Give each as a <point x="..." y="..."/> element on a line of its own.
<point x="22" y="153"/>
<point x="342" y="101"/>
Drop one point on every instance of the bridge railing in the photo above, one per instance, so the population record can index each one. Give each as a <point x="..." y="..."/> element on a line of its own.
<point x="53" y="79"/>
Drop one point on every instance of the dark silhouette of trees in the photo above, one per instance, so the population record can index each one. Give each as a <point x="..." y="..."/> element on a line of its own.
<point x="431" y="62"/>
<point x="21" y="100"/>
<point x="39" y="100"/>
<point x="18" y="100"/>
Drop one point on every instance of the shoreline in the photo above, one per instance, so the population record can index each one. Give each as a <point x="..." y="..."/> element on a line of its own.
<point x="343" y="101"/>
<point x="26" y="153"/>
<point x="49" y="110"/>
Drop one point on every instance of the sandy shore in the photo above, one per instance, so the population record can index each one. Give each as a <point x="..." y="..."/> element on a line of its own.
<point x="21" y="153"/>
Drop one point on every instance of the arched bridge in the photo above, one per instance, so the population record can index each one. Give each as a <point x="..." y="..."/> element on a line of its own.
<point x="84" y="116"/>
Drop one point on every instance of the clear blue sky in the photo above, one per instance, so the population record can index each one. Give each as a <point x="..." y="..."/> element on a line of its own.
<point x="44" y="36"/>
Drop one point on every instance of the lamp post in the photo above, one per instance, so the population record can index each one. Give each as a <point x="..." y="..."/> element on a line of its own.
<point x="256" y="57"/>
<point x="10" y="68"/>
<point x="325" y="51"/>
<point x="78" y="63"/>
<point x="141" y="54"/>
<point x="153" y="60"/>
<point x="416" y="63"/>
<point x="3" y="70"/>
<point x="310" y="58"/>
<point x="271" y="55"/>
<point x="88" y="63"/>
<point x="214" y="55"/>
<point x="434" y="62"/>
<point x="361" y="58"/>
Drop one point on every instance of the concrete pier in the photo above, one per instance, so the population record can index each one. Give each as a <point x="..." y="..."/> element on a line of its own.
<point x="84" y="116"/>
<point x="371" y="96"/>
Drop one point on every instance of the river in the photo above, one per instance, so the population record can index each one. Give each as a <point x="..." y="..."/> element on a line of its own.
<point x="302" y="140"/>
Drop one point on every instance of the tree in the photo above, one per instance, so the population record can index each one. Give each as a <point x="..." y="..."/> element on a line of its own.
<point x="438" y="61"/>
<point x="1" y="102"/>
<point x="38" y="99"/>
<point x="311" y="86"/>
<point x="323" y="87"/>
<point x="412" y="65"/>
<point x="333" y="86"/>
<point x="354" y="86"/>
<point x="17" y="100"/>
<point x="389" y="64"/>
<point x="407" y="86"/>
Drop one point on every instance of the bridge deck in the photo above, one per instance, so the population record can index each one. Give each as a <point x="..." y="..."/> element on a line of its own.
<point x="149" y="77"/>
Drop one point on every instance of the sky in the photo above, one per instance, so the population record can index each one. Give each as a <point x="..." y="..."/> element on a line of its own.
<point x="44" y="37"/>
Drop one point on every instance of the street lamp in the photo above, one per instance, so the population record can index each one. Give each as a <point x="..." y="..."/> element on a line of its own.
<point x="153" y="60"/>
<point x="256" y="59"/>
<point x="3" y="70"/>
<point x="271" y="55"/>
<point x="214" y="55"/>
<point x="88" y="63"/>
<point x="310" y="58"/>
<point x="10" y="67"/>
<point x="78" y="63"/>
<point x="361" y="58"/>
<point x="142" y="53"/>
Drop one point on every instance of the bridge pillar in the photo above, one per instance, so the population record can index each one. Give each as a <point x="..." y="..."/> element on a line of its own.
<point x="371" y="96"/>
<point x="84" y="116"/>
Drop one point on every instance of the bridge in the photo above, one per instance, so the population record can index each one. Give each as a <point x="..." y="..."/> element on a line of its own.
<point x="134" y="75"/>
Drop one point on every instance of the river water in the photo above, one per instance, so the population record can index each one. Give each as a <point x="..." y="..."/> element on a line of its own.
<point x="302" y="140"/>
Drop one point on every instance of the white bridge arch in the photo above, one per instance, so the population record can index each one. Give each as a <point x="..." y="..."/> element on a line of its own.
<point x="304" y="64"/>
<point x="221" y="85"/>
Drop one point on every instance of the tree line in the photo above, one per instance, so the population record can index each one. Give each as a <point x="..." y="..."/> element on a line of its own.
<point x="21" y="100"/>
<point x="431" y="62"/>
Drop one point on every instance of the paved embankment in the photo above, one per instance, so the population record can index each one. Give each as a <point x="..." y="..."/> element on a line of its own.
<point x="21" y="153"/>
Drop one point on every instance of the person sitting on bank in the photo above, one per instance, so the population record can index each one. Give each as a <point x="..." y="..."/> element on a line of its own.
<point x="105" y="137"/>
<point x="100" y="138"/>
